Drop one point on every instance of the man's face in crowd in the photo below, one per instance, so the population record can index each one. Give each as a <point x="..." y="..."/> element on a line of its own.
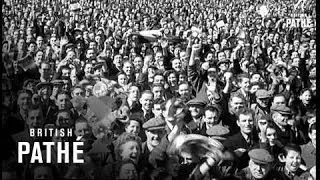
<point x="280" y="119"/>
<point x="146" y="101"/>
<point x="133" y="127"/>
<point x="313" y="54"/>
<point x="172" y="79"/>
<point x="306" y="97"/>
<point x="78" y="92"/>
<point x="211" y="118"/>
<point x="184" y="90"/>
<point x="258" y="170"/>
<point x="90" y="54"/>
<point x="154" y="136"/>
<point x="39" y="57"/>
<point x="64" y="120"/>
<point x="32" y="47"/>
<point x="122" y="79"/>
<point x="39" y="41"/>
<point x="159" y="79"/>
<point x="81" y="129"/>
<point x="127" y="68"/>
<point x="134" y="93"/>
<point x="279" y="100"/>
<point x="292" y="161"/>
<point x="35" y="118"/>
<point x="53" y="41"/>
<point x="159" y="57"/>
<point x="245" y="122"/>
<point x="221" y="56"/>
<point x="176" y="65"/>
<point x="177" y="52"/>
<point x="92" y="45"/>
<point x="45" y="70"/>
<point x="45" y="92"/>
<point x="157" y="110"/>
<point x="236" y="104"/>
<point x="138" y="63"/>
<point x="158" y="92"/>
<point x="244" y="84"/>
<point x="195" y="110"/>
<point x="117" y="60"/>
<point x="88" y="69"/>
<point x="62" y="101"/>
<point x="21" y="44"/>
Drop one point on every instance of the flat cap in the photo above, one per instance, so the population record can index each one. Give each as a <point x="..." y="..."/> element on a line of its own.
<point x="197" y="101"/>
<point x="69" y="45"/>
<point x="57" y="82"/>
<point x="218" y="132"/>
<point x="282" y="109"/>
<point x="43" y="84"/>
<point x="154" y="123"/>
<point x="262" y="94"/>
<point x="261" y="156"/>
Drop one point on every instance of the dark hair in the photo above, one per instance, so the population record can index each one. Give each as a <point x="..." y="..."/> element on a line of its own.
<point x="290" y="147"/>
<point x="245" y="111"/>
<point x="213" y="109"/>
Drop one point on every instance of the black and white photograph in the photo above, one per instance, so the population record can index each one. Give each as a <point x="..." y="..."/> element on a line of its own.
<point x="159" y="89"/>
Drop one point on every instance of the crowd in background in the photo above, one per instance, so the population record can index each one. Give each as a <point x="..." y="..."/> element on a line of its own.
<point x="221" y="69"/>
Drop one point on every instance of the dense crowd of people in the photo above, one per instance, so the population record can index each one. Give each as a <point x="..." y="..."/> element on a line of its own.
<point x="129" y="77"/>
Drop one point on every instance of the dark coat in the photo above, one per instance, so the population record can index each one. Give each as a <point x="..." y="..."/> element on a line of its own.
<point x="237" y="141"/>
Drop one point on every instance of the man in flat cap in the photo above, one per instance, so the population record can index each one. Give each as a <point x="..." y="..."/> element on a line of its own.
<point x="196" y="108"/>
<point x="281" y="114"/>
<point x="155" y="131"/>
<point x="261" y="107"/>
<point x="259" y="166"/>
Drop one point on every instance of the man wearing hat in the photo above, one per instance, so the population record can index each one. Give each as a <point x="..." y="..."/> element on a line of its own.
<point x="261" y="108"/>
<point x="196" y="108"/>
<point x="217" y="132"/>
<point x="280" y="115"/>
<point x="155" y="131"/>
<point x="259" y="166"/>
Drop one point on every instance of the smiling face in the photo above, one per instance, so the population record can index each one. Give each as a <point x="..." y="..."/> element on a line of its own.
<point x="130" y="150"/>
<point x="133" y="127"/>
<point x="292" y="161"/>
<point x="306" y="97"/>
